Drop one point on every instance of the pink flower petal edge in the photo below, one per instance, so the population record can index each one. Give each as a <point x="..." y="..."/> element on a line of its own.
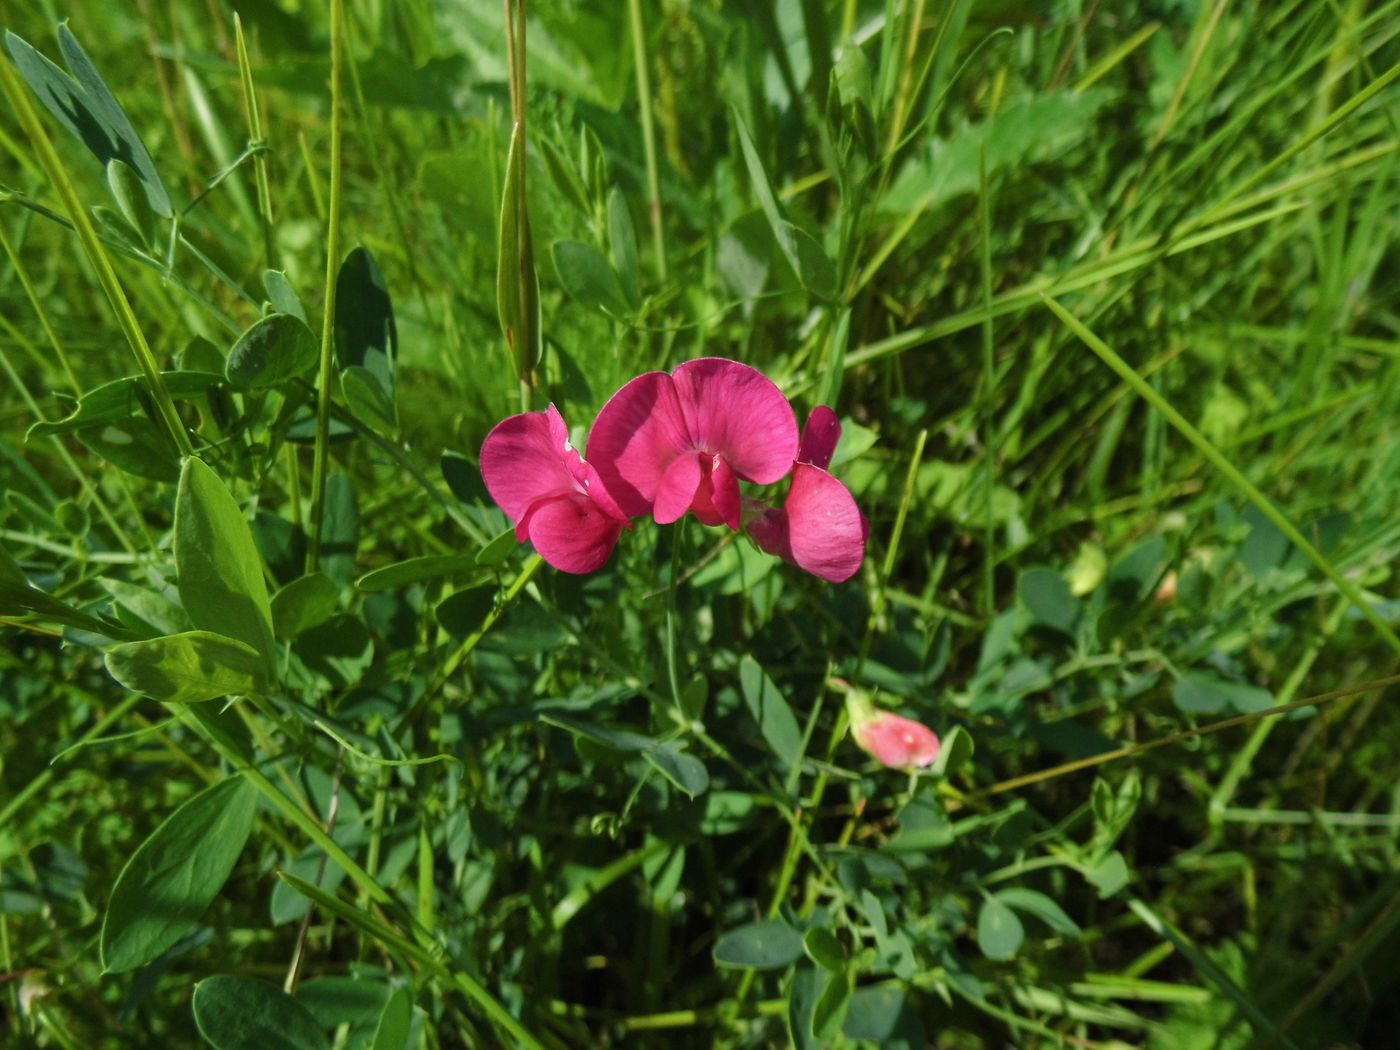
<point x="731" y="418"/>
<point x="819" y="528"/>
<point x="555" y="500"/>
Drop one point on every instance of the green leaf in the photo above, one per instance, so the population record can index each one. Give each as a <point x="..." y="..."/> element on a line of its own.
<point x="830" y="1009"/>
<point x="499" y="550"/>
<point x="955" y="753"/>
<point x="340" y="528"/>
<point x="589" y="278"/>
<point x="244" y="1013"/>
<point x="809" y="260"/>
<point x="824" y="949"/>
<point x="517" y="284"/>
<point x="121" y="399"/>
<point x="126" y="187"/>
<point x="461" y="613"/>
<point x="282" y="295"/>
<point x="685" y="771"/>
<point x="366" y="335"/>
<point x="806" y="257"/>
<point x="879" y="1012"/>
<point x="999" y="932"/>
<point x="1047" y="598"/>
<point x="220" y="572"/>
<point x="304" y="603"/>
<point x="1042" y="907"/>
<point x="342" y="1000"/>
<point x="88" y="109"/>
<point x="622" y="242"/>
<point x="134" y="446"/>
<point x="1109" y="875"/>
<point x="175" y="874"/>
<point x="366" y="340"/>
<point x="188" y="668"/>
<point x="368" y="397"/>
<point x="565" y="178"/>
<point x="275" y="349"/>
<point x="394" y="1021"/>
<point x="19" y="598"/>
<point x="770" y="710"/>
<point x="416" y="570"/>
<point x="767" y="945"/>
<point x="1199" y="693"/>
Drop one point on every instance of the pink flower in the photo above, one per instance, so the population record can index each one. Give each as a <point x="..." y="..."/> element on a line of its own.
<point x="665" y="444"/>
<point x="894" y="741"/>
<point x="555" y="499"/>
<point x="819" y="528"/>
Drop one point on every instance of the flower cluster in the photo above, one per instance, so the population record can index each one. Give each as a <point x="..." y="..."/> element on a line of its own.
<point x="668" y="443"/>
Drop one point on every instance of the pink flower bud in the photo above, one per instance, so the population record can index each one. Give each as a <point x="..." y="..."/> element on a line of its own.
<point x="893" y="740"/>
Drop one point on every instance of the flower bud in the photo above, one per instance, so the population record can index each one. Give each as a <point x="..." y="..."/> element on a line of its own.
<point x="894" y="741"/>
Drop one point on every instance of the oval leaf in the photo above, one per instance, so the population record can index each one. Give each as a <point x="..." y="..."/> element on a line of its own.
<point x="302" y="604"/>
<point x="767" y="945"/>
<point x="277" y="348"/>
<point x="244" y="1013"/>
<point x="999" y="932"/>
<point x="188" y="668"/>
<point x="174" y="875"/>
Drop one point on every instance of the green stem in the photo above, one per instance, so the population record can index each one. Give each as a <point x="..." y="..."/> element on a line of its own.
<point x="323" y="381"/>
<point x="41" y="780"/>
<point x="254" y="118"/>
<point x="419" y="954"/>
<point x="639" y="52"/>
<point x="1232" y="473"/>
<point x="166" y="416"/>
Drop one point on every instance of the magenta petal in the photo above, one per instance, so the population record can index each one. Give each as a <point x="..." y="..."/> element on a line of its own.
<point x="819" y="438"/>
<point x="826" y="530"/>
<point x="898" y="742"/>
<point x="677" y="490"/>
<point x="526" y="458"/>
<point x="637" y="434"/>
<point x="769" y="529"/>
<point x="737" y="412"/>
<point x="724" y="496"/>
<point x="573" y="533"/>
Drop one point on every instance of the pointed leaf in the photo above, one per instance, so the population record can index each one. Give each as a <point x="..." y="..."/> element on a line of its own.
<point x="770" y="710"/>
<point x="188" y="668"/>
<point x="175" y="874"/>
<point x="84" y="105"/>
<point x="302" y="604"/>
<point x="220" y="572"/>
<point x="767" y="945"/>
<point x="589" y="278"/>
<point x="622" y="242"/>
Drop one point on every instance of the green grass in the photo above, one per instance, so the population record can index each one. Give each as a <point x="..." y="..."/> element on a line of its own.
<point x="1104" y="294"/>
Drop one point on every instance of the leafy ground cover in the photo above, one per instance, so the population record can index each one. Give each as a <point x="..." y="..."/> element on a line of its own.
<point x="301" y="747"/>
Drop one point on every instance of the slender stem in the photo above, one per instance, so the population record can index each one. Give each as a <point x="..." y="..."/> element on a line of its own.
<point x="23" y="108"/>
<point x="1176" y="738"/>
<point x="323" y="381"/>
<point x="1232" y="473"/>
<point x="672" y="620"/>
<point x="47" y="773"/>
<point x="639" y="52"/>
<point x="255" y="134"/>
